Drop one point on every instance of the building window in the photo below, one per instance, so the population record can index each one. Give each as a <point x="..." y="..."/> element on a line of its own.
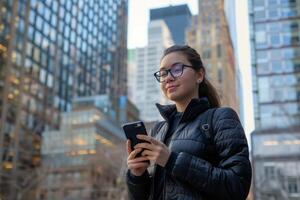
<point x="275" y="39"/>
<point x="272" y="2"/>
<point x="293" y="186"/>
<point x="259" y="15"/>
<point x="276" y="67"/>
<point x="220" y="75"/>
<point x="206" y="54"/>
<point x="269" y="172"/>
<point x="219" y="51"/>
<point x="263" y="84"/>
<point x="260" y="38"/>
<point x="262" y="56"/>
<point x="273" y="13"/>
<point x="295" y="39"/>
<point x="259" y="3"/>
<point x="263" y="68"/>
<point x="289" y="66"/>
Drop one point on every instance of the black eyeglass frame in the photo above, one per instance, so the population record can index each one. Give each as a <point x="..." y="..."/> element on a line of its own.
<point x="168" y="71"/>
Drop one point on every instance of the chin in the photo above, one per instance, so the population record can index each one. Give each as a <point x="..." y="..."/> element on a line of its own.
<point x="173" y="96"/>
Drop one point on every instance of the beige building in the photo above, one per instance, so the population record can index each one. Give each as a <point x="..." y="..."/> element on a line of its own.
<point x="209" y="35"/>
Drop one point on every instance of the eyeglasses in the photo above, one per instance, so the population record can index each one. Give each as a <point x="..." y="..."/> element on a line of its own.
<point x="176" y="70"/>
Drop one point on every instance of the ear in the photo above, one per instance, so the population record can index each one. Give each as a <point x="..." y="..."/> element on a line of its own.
<point x="200" y="75"/>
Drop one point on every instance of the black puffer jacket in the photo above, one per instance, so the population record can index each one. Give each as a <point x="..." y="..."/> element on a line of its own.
<point x="191" y="174"/>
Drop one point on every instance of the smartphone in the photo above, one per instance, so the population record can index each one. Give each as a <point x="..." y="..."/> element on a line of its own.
<point x="131" y="130"/>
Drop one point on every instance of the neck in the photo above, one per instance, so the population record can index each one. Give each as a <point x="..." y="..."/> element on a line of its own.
<point x="181" y="106"/>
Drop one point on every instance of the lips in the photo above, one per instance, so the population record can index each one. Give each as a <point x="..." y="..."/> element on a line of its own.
<point x="171" y="88"/>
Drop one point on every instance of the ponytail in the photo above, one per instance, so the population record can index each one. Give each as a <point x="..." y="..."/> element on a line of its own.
<point x="206" y="89"/>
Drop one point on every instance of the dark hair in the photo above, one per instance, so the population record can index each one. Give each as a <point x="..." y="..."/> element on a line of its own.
<point x="206" y="89"/>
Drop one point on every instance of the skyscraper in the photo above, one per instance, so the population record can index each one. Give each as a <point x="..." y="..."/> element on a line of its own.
<point x="146" y="90"/>
<point x="209" y="35"/>
<point x="177" y="19"/>
<point x="275" y="57"/>
<point x="50" y="52"/>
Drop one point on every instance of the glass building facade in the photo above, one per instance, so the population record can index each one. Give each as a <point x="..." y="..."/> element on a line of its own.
<point x="275" y="54"/>
<point x="50" y="52"/>
<point x="83" y="159"/>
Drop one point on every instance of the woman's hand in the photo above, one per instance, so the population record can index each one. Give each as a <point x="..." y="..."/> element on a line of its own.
<point x="154" y="151"/>
<point x="137" y="166"/>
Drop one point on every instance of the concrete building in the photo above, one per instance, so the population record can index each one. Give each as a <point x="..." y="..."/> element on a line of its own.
<point x="209" y="35"/>
<point x="276" y="164"/>
<point x="146" y="88"/>
<point x="275" y="59"/>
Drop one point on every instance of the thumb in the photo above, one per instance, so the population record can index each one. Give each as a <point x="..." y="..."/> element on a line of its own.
<point x="129" y="150"/>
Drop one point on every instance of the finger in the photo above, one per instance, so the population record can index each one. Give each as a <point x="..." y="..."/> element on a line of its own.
<point x="138" y="165"/>
<point x="148" y="153"/>
<point x="148" y="139"/>
<point x="129" y="150"/>
<point x="144" y="146"/>
<point x="137" y="160"/>
<point x="134" y="153"/>
<point x="151" y="158"/>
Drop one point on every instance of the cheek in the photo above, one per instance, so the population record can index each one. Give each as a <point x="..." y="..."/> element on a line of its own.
<point x="190" y="84"/>
<point x="162" y="87"/>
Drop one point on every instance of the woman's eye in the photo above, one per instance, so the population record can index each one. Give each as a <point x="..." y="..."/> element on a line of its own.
<point x="163" y="73"/>
<point x="176" y="69"/>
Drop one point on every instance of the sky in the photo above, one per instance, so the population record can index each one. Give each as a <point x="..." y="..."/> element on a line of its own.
<point x="137" y="37"/>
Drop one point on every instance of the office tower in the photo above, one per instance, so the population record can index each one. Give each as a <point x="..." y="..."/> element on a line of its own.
<point x="177" y="18"/>
<point x="146" y="89"/>
<point x="209" y="35"/>
<point x="275" y="52"/>
<point x="52" y="51"/>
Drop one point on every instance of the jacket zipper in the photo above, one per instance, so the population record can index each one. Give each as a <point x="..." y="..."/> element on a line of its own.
<point x="154" y="170"/>
<point x="152" y="184"/>
<point x="164" y="188"/>
<point x="163" y="138"/>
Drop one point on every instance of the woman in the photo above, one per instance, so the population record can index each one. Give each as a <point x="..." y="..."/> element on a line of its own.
<point x="189" y="162"/>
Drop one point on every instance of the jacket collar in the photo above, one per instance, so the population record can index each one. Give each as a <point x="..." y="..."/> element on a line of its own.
<point x="193" y="109"/>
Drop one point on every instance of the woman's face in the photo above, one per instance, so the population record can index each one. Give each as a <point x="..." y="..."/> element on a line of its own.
<point x="184" y="87"/>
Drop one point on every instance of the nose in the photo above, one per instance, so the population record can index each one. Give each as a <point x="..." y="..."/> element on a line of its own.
<point x="169" y="77"/>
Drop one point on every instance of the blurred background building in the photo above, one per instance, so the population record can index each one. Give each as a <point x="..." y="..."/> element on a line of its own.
<point x="275" y="53"/>
<point x="83" y="159"/>
<point x="231" y="18"/>
<point x="51" y="52"/>
<point x="209" y="35"/>
<point x="146" y="88"/>
<point x="177" y="19"/>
